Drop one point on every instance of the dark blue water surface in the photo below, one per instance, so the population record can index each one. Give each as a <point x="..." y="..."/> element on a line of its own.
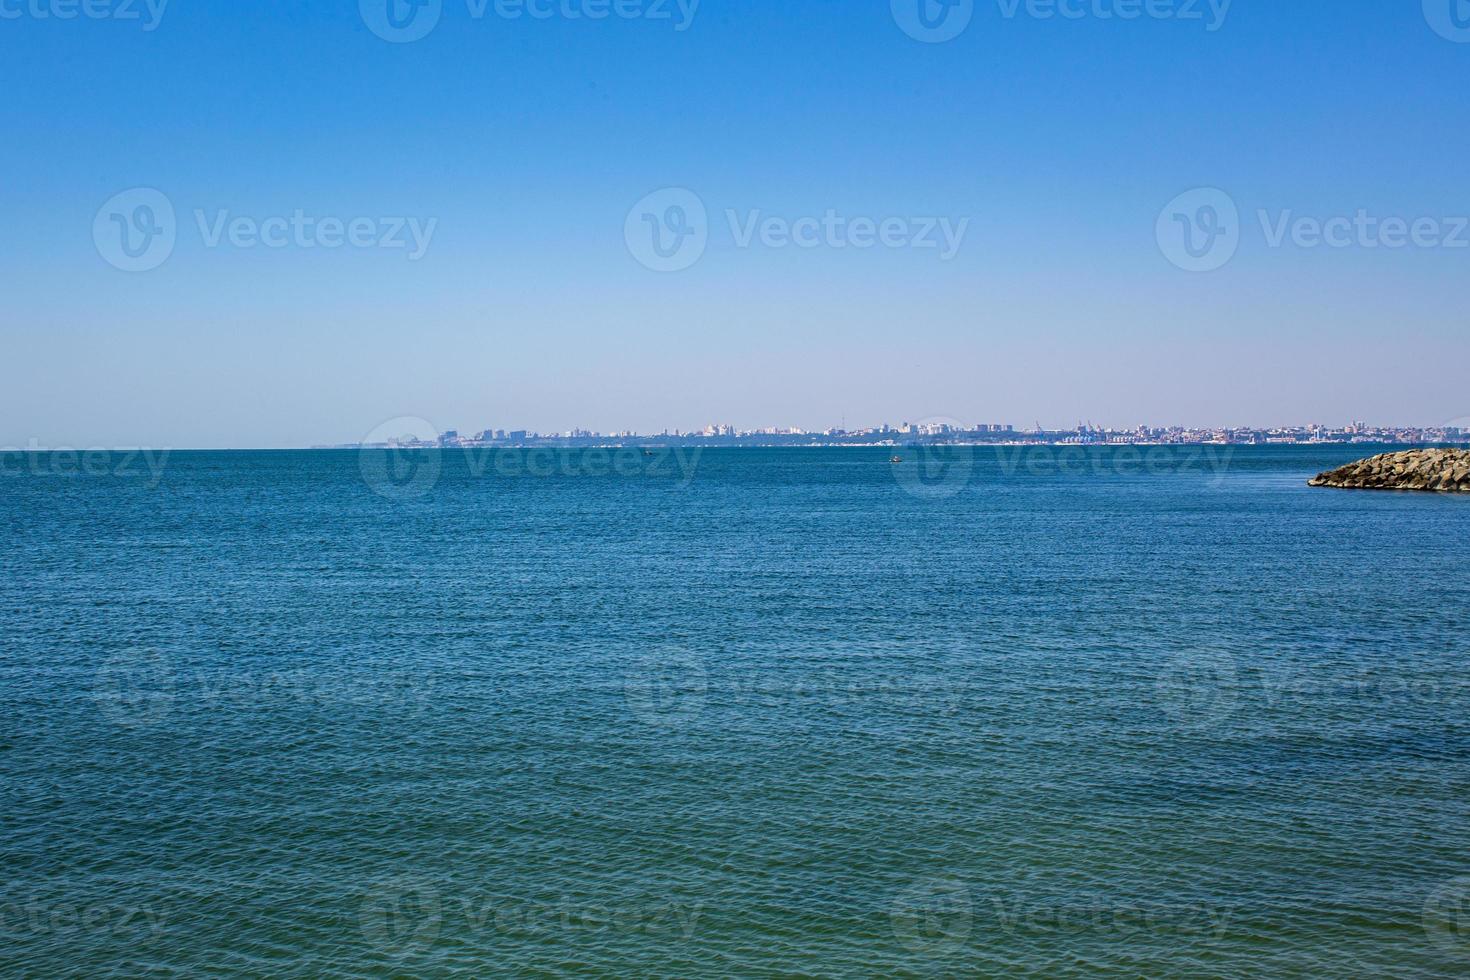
<point x="744" y="712"/>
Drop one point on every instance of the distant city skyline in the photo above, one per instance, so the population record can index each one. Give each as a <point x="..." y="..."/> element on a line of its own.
<point x="411" y="432"/>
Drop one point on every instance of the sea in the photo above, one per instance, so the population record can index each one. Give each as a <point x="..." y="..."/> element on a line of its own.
<point x="1018" y="711"/>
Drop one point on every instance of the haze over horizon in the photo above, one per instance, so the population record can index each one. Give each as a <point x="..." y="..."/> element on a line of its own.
<point x="517" y="158"/>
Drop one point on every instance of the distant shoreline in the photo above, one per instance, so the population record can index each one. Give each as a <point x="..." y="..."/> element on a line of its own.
<point x="689" y="442"/>
<point x="694" y="442"/>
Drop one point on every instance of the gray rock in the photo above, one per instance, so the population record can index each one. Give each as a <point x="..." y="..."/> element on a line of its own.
<point x="1436" y="470"/>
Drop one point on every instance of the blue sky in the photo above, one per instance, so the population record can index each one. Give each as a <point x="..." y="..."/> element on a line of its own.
<point x="525" y="143"/>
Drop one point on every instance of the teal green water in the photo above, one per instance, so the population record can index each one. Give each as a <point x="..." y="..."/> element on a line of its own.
<point x="797" y="712"/>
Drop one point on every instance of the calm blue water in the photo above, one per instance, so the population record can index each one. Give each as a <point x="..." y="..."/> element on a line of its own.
<point x="754" y="712"/>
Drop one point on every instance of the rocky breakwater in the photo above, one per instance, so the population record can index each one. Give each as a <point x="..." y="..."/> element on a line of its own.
<point x="1439" y="470"/>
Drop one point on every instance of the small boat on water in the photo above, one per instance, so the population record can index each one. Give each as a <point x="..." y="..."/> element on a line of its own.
<point x="896" y="459"/>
